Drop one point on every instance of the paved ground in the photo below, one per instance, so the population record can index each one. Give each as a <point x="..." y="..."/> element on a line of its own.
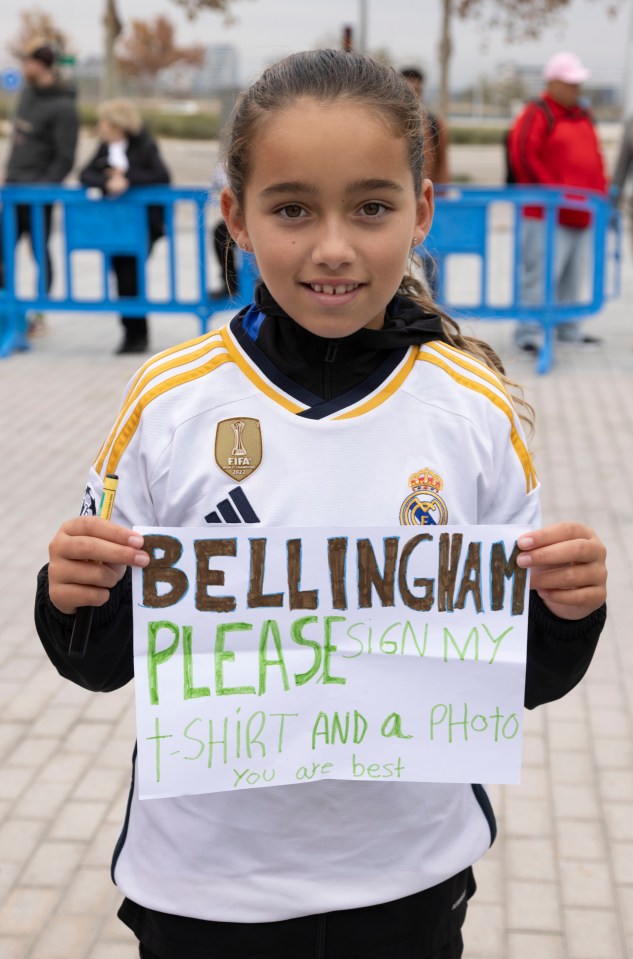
<point x="558" y="883"/>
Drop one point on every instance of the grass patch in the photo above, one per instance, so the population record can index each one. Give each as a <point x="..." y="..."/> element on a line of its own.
<point x="480" y="136"/>
<point x="195" y="126"/>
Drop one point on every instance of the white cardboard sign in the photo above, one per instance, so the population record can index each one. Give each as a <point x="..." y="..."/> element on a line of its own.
<point x="269" y="656"/>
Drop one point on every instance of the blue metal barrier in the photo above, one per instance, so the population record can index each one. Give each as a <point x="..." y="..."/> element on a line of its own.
<point x="472" y="222"/>
<point x="110" y="227"/>
<point x="483" y="225"/>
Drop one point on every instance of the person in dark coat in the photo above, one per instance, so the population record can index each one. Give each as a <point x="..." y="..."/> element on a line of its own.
<point x="43" y="141"/>
<point x="127" y="156"/>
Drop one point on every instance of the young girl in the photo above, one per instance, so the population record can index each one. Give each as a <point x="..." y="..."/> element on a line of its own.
<point x="357" y="384"/>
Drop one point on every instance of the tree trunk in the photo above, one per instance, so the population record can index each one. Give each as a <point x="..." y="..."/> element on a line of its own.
<point x="112" y="28"/>
<point x="445" y="51"/>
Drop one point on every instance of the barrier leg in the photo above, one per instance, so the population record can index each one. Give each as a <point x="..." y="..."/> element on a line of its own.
<point x="13" y="331"/>
<point x="546" y="352"/>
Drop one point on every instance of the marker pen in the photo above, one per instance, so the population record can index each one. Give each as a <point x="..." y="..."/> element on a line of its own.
<point x="83" y="616"/>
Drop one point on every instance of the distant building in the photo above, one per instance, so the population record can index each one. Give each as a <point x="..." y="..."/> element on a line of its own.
<point x="603" y="89"/>
<point x="219" y="71"/>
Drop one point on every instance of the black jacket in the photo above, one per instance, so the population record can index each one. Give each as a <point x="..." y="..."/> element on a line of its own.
<point x="146" y="168"/>
<point x="559" y="650"/>
<point x="44" y="136"/>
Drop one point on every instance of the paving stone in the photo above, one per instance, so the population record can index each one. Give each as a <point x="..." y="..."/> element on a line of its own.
<point x="12" y="948"/>
<point x="53" y="864"/>
<point x="593" y="934"/>
<point x="114" y="950"/>
<point x="535" y="783"/>
<point x="10" y="734"/>
<point x="567" y="735"/>
<point x="610" y="724"/>
<point x="88" y="737"/>
<point x="14" y="780"/>
<point x="617" y="784"/>
<point x="626" y="901"/>
<point x="42" y="800"/>
<point x="18" y="839"/>
<point x="619" y="819"/>
<point x="533" y="906"/>
<point x="530" y="858"/>
<point x="484" y="931"/>
<point x="80" y="820"/>
<point x="114" y="930"/>
<point x="100" y="782"/>
<point x="528" y="817"/>
<point x="56" y="721"/>
<point x="90" y="891"/>
<point x="534" y="750"/>
<point x="523" y="945"/>
<point x="65" y="768"/>
<point x="489" y="876"/>
<point x="572" y="767"/>
<point x="33" y="751"/>
<point x="622" y="862"/>
<point x="572" y="802"/>
<point x="586" y="883"/>
<point x="9" y="872"/>
<point x="25" y="911"/>
<point x="66" y="936"/>
<point x="614" y="754"/>
<point x="581" y="840"/>
<point x="99" y="852"/>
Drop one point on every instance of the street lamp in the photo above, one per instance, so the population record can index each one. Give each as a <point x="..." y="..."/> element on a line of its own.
<point x="362" y="26"/>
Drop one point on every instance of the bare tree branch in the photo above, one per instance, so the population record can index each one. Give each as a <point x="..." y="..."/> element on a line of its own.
<point x="37" y="25"/>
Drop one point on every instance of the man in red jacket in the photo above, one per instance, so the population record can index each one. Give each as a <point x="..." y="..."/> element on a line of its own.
<point x="553" y="142"/>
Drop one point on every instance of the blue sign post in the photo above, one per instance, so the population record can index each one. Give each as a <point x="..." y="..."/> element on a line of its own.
<point x="11" y="79"/>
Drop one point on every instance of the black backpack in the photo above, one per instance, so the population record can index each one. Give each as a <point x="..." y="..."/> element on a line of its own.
<point x="539" y="105"/>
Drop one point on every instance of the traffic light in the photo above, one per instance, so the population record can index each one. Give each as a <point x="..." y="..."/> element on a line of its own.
<point x="348" y="44"/>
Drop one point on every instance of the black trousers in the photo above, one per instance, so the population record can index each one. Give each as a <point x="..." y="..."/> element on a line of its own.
<point x="126" y="272"/>
<point x="452" y="950"/>
<point x="425" y="925"/>
<point x="23" y="225"/>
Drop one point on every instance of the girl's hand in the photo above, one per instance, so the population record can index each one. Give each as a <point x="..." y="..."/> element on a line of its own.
<point x="568" y="567"/>
<point x="88" y="556"/>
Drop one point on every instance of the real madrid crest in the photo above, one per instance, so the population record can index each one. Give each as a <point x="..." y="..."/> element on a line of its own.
<point x="238" y="447"/>
<point x="424" y="506"/>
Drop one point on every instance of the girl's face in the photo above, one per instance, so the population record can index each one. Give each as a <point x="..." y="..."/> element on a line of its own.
<point x="331" y="214"/>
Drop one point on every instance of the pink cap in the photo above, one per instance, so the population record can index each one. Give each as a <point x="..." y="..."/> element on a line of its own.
<point x="566" y="67"/>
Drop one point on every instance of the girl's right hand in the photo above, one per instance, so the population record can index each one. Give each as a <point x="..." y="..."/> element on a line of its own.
<point x="88" y="556"/>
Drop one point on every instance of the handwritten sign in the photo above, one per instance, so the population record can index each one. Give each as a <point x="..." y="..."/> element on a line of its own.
<point x="268" y="656"/>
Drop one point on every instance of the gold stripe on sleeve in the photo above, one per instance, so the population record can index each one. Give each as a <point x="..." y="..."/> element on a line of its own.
<point x="131" y="424"/>
<point x="468" y="362"/>
<point x="517" y="443"/>
<point x="154" y="368"/>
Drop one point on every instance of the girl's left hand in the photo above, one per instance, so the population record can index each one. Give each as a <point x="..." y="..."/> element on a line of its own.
<point x="568" y="569"/>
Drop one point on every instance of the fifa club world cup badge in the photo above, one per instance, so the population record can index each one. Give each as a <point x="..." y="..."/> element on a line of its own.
<point x="238" y="447"/>
<point x="424" y="506"/>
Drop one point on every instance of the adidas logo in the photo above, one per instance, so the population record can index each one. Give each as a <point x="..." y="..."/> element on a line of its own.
<point x="234" y="509"/>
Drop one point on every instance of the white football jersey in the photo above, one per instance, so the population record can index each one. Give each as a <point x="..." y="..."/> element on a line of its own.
<point x="210" y="433"/>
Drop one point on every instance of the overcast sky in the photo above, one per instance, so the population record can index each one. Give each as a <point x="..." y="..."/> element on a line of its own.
<point x="409" y="29"/>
